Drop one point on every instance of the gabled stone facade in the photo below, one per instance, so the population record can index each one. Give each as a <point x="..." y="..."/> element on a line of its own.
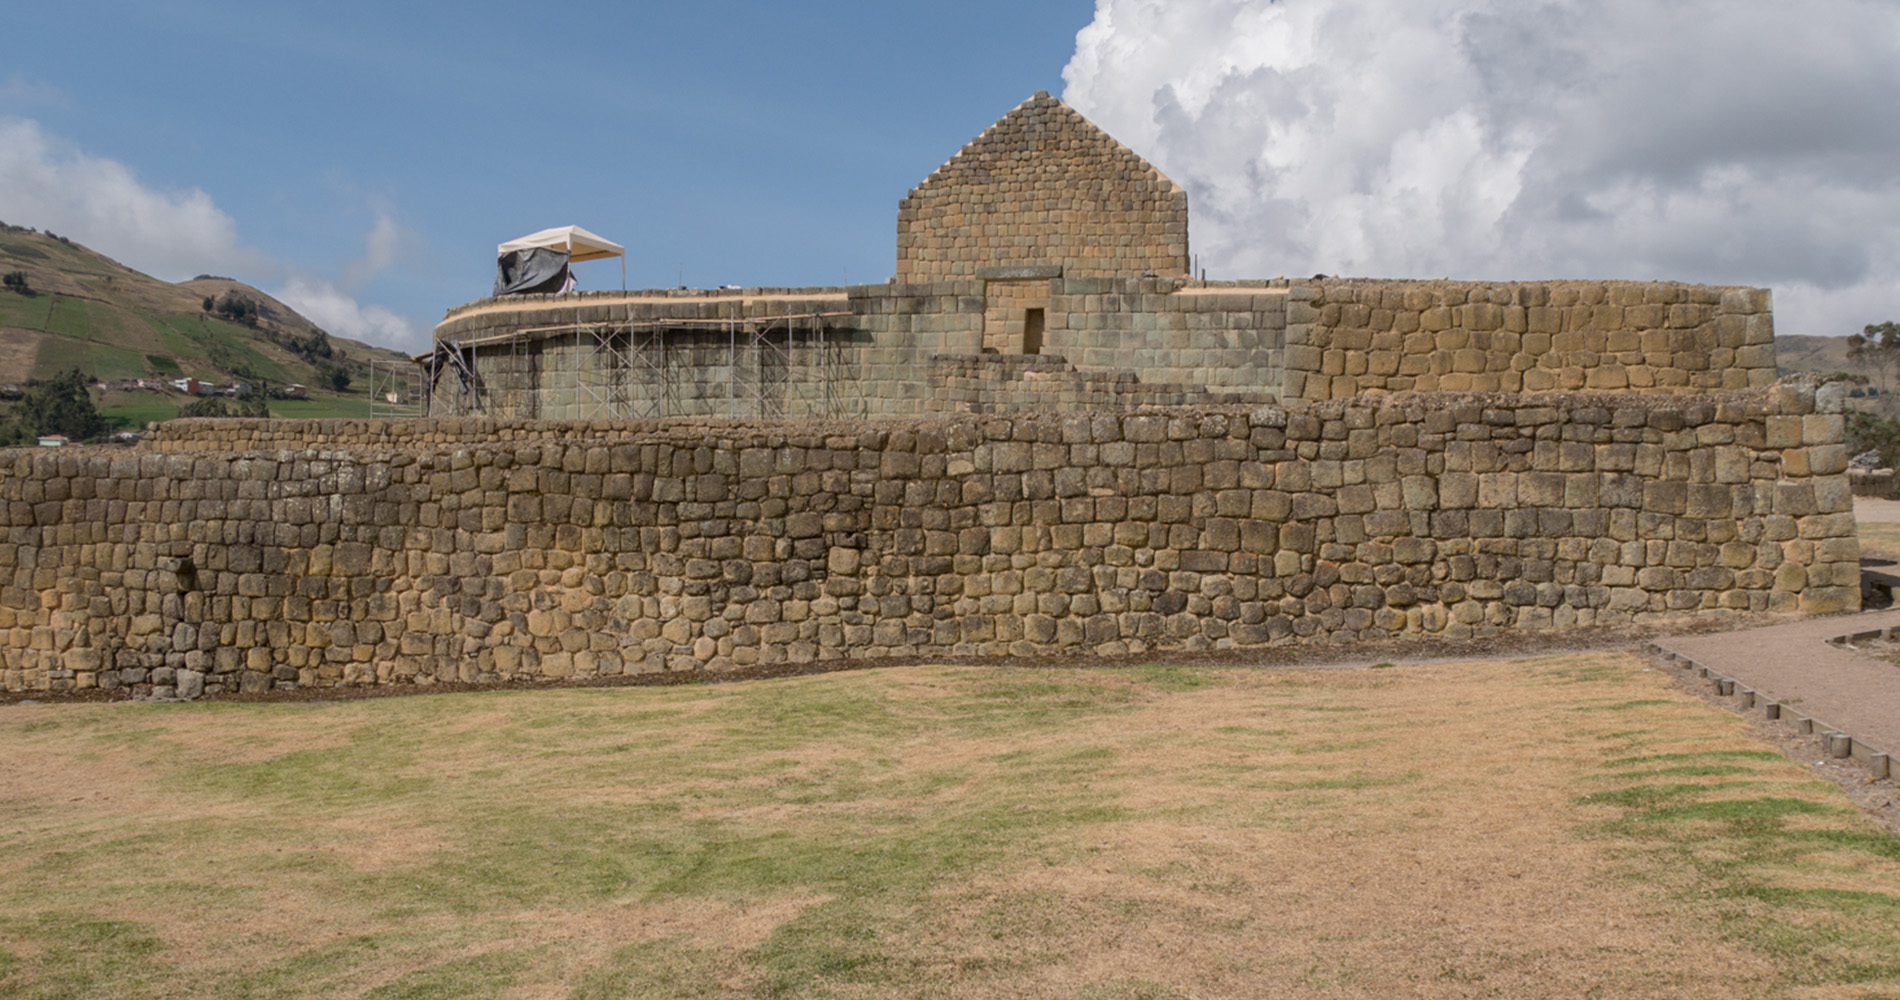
<point x="1043" y="188"/>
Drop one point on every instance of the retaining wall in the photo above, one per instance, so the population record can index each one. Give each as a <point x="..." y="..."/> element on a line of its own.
<point x="1345" y="338"/>
<point x="602" y="548"/>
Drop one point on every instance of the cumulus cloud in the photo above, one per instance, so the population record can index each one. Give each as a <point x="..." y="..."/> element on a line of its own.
<point x="1696" y="139"/>
<point x="334" y="306"/>
<point x="49" y="184"/>
<point x="336" y="311"/>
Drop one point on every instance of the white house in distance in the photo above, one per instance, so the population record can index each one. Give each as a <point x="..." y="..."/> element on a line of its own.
<point x="193" y="387"/>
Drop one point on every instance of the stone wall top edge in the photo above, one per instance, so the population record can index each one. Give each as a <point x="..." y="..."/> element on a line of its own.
<point x="969" y="285"/>
<point x="1507" y="283"/>
<point x="1566" y="401"/>
<point x="595" y="297"/>
<point x="343" y="437"/>
<point x="534" y="310"/>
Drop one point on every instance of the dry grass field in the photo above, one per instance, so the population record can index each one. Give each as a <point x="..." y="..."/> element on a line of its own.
<point x="1880" y="541"/>
<point x="1562" y="826"/>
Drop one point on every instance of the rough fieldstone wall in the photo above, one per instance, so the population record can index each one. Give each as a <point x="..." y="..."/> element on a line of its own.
<point x="214" y="434"/>
<point x="1043" y="186"/>
<point x="646" y="547"/>
<point x="1344" y="338"/>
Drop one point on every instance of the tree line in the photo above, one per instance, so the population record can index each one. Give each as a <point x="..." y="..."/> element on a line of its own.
<point x="59" y="405"/>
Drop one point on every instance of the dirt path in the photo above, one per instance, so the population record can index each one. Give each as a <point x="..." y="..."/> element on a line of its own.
<point x="1869" y="510"/>
<point x="1840" y="688"/>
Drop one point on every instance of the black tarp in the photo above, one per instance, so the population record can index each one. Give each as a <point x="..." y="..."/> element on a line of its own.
<point x="530" y="272"/>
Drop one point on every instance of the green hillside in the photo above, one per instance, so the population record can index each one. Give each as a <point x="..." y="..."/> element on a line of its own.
<point x="84" y="310"/>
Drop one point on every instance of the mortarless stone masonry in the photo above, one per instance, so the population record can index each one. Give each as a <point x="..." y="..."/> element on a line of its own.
<point x="470" y="550"/>
<point x="1043" y="185"/>
<point x="1046" y="219"/>
<point x="1078" y="450"/>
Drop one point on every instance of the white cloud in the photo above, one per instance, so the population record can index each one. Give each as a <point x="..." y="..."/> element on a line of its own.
<point x="334" y="307"/>
<point x="382" y="249"/>
<point x="1705" y="140"/>
<point x="47" y="184"/>
<point x="339" y="313"/>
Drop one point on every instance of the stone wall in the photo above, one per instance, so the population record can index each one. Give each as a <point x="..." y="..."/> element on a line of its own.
<point x="602" y="549"/>
<point x="1228" y="336"/>
<point x="692" y="353"/>
<point x="1010" y="383"/>
<point x="878" y="348"/>
<point x="1297" y="340"/>
<point x="1007" y="306"/>
<point x="1043" y="186"/>
<point x="219" y="434"/>
<point x="1044" y="218"/>
<point x="1345" y="338"/>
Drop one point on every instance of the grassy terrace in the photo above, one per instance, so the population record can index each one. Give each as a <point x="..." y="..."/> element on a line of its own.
<point x="134" y="410"/>
<point x="1559" y="826"/>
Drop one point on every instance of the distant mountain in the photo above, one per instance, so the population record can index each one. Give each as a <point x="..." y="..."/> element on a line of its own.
<point x="90" y="312"/>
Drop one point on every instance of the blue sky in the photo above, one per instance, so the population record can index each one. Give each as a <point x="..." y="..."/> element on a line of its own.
<point x="747" y="143"/>
<point x="361" y="160"/>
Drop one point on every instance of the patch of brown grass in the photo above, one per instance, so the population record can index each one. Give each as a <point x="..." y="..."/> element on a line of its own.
<point x="1434" y="830"/>
<point x="19" y="351"/>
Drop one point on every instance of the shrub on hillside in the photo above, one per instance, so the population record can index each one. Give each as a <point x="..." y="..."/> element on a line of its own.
<point x="212" y="406"/>
<point x="60" y="405"/>
<point x="237" y="309"/>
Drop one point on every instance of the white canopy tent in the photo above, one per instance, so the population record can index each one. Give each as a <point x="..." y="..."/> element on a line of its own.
<point x="579" y="244"/>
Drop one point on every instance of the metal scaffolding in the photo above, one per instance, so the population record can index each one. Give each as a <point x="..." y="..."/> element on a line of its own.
<point x="396" y="390"/>
<point x="762" y="367"/>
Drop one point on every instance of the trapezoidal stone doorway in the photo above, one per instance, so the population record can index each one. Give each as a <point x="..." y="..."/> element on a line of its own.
<point x="1015" y="310"/>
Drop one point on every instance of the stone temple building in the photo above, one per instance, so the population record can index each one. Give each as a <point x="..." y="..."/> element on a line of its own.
<point x="1078" y="447"/>
<point x="1046" y="265"/>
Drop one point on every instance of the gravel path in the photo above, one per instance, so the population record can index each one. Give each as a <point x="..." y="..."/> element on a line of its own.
<point x="1870" y="510"/>
<point x="1842" y="689"/>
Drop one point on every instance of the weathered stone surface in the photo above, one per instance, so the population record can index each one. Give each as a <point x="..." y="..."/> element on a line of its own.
<point x="1185" y="527"/>
<point x="1046" y="267"/>
<point x="1042" y="186"/>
